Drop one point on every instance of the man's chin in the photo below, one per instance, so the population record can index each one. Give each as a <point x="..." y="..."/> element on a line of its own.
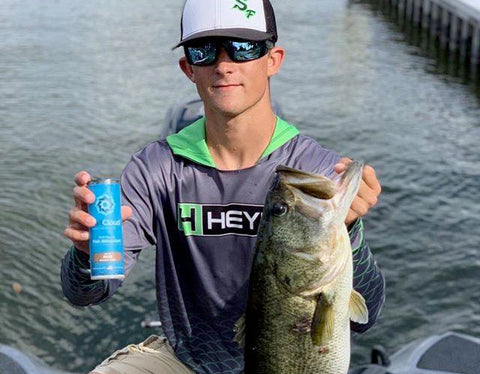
<point x="228" y="110"/>
<point x="229" y="107"/>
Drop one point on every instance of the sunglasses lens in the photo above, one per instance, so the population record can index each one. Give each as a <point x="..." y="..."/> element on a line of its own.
<point x="246" y="50"/>
<point x="201" y="55"/>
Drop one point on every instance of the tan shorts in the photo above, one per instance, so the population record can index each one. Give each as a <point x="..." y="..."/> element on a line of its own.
<point x="152" y="356"/>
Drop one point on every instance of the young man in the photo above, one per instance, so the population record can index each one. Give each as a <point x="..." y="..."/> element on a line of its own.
<point x="198" y="196"/>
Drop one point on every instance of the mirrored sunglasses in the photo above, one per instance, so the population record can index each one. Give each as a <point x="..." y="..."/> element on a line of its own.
<point x="204" y="52"/>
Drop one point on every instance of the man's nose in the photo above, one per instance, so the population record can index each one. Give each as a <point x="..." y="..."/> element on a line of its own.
<point x="223" y="57"/>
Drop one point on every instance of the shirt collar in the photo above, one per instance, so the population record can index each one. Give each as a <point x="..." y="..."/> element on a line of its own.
<point x="190" y="142"/>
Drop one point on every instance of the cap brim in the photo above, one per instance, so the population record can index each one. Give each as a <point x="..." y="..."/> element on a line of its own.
<point x="246" y="34"/>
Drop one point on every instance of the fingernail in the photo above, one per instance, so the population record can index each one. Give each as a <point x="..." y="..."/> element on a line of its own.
<point x="91" y="221"/>
<point x="85" y="235"/>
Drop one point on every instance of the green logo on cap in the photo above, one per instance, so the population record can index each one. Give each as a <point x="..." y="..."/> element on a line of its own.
<point x="242" y="6"/>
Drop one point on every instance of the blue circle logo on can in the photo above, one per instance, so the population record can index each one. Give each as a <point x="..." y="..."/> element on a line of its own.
<point x="105" y="204"/>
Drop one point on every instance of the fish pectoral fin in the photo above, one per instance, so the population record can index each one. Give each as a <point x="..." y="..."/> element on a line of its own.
<point x="240" y="331"/>
<point x="323" y="320"/>
<point x="358" y="308"/>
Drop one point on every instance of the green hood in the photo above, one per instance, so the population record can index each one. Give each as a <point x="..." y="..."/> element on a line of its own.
<point x="190" y="142"/>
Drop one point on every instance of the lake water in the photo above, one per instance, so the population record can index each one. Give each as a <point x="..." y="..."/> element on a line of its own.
<point x="83" y="85"/>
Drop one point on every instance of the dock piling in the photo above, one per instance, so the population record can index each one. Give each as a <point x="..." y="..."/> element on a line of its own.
<point x="464" y="33"/>
<point x="401" y="11"/>
<point x="426" y="13"/>
<point x="417" y="9"/>
<point x="409" y="9"/>
<point x="475" y="45"/>
<point x="434" y="20"/>
<point x="454" y="31"/>
<point x="444" y="27"/>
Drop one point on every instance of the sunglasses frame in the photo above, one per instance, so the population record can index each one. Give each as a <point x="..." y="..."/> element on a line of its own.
<point x="226" y="43"/>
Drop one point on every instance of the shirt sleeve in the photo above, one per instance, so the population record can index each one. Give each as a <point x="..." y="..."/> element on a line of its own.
<point x="368" y="280"/>
<point x="77" y="286"/>
<point x="139" y="193"/>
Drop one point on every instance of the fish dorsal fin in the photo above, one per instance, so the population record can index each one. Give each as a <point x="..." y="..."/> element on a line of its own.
<point x="323" y="319"/>
<point x="357" y="307"/>
<point x="240" y="331"/>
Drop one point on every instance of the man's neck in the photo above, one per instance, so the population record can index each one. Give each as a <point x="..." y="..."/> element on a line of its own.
<point x="238" y="142"/>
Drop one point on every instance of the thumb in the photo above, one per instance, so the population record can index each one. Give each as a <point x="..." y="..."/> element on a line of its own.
<point x="341" y="165"/>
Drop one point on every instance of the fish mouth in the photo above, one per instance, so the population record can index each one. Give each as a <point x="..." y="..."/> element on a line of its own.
<point x="310" y="184"/>
<point x="309" y="191"/>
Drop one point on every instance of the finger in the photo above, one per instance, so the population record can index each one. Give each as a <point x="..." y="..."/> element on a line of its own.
<point x="370" y="178"/>
<point x="359" y="207"/>
<point x="82" y="178"/>
<point x="81" y="217"/>
<point x="345" y="160"/>
<point x="77" y="236"/>
<point x="367" y="194"/>
<point x="78" y="226"/>
<point x="83" y="196"/>
<point x="339" y="168"/>
<point x="126" y="212"/>
<point x="351" y="216"/>
<point x="341" y="165"/>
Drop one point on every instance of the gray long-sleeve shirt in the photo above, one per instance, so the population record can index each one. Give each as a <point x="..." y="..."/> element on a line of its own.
<point x="203" y="223"/>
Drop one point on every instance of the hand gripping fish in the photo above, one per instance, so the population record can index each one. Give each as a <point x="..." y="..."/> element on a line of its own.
<point x="301" y="298"/>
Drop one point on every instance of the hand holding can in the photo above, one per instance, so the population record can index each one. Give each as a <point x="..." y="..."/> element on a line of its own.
<point x="80" y="221"/>
<point x="106" y="241"/>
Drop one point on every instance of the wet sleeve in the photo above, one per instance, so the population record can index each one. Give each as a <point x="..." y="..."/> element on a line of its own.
<point x="368" y="280"/>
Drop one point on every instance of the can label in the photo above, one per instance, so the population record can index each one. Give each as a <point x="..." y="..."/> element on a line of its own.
<point x="106" y="240"/>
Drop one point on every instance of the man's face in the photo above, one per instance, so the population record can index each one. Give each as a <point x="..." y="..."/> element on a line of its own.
<point x="229" y="87"/>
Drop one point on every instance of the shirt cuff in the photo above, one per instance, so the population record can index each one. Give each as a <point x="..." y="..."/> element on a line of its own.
<point x="81" y="260"/>
<point x="354" y="227"/>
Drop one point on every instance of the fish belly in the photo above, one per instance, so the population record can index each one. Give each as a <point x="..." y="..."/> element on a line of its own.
<point x="278" y="326"/>
<point x="336" y="357"/>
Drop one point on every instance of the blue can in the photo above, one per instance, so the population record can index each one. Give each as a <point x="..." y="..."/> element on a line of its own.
<point x="106" y="240"/>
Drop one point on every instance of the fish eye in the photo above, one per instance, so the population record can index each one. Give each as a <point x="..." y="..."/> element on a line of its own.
<point x="279" y="209"/>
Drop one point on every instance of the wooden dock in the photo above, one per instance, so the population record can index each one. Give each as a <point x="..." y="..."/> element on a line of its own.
<point x="455" y="24"/>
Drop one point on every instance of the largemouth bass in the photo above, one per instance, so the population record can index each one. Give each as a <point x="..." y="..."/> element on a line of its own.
<point x="301" y="297"/>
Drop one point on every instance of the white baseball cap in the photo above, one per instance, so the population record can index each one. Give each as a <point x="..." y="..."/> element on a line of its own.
<point x="242" y="19"/>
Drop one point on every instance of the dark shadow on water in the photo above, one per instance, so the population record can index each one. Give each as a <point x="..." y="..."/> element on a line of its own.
<point x="428" y="44"/>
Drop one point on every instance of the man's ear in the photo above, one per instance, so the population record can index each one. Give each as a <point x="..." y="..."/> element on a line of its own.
<point x="186" y="68"/>
<point x="275" y="60"/>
